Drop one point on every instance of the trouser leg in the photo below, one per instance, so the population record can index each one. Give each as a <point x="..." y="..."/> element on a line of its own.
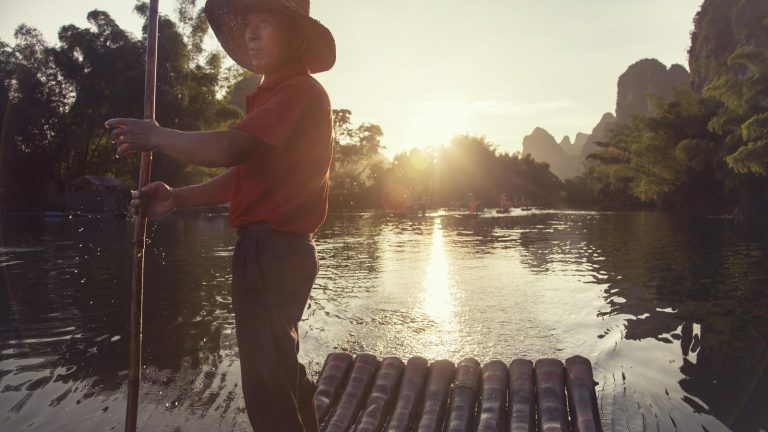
<point x="270" y="285"/>
<point x="306" y="400"/>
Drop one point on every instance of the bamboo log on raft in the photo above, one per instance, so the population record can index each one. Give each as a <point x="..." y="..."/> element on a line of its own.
<point x="331" y="382"/>
<point x="411" y="390"/>
<point x="493" y="401"/>
<point x="363" y="395"/>
<point x="521" y="400"/>
<point x="382" y="396"/>
<point x="463" y="396"/>
<point x="582" y="398"/>
<point x="360" y="380"/>
<point x="436" y="396"/>
<point x="550" y="389"/>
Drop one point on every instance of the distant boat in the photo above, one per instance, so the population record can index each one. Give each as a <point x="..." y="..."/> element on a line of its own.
<point x="466" y="215"/>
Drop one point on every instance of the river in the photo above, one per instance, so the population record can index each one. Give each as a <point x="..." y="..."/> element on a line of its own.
<point x="671" y="310"/>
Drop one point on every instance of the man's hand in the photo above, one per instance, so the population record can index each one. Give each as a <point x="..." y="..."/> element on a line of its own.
<point x="157" y="197"/>
<point x="133" y="135"/>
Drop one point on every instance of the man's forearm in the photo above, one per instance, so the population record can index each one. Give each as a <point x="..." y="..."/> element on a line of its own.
<point x="213" y="149"/>
<point x="215" y="191"/>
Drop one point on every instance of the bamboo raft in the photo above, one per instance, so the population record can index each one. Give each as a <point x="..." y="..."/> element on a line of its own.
<point x="365" y="394"/>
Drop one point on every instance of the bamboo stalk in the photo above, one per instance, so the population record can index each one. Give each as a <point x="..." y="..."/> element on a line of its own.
<point x="522" y="403"/>
<point x="463" y="396"/>
<point x="435" y="402"/>
<point x="351" y="402"/>
<point x="140" y="228"/>
<point x="331" y="383"/>
<point x="582" y="399"/>
<point x="382" y="396"/>
<point x="492" y="410"/>
<point x="404" y="415"/>
<point x="550" y="391"/>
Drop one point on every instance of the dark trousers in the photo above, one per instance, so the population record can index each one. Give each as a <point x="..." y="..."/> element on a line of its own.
<point x="272" y="275"/>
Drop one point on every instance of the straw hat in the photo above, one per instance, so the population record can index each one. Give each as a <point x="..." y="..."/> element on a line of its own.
<point x="227" y="19"/>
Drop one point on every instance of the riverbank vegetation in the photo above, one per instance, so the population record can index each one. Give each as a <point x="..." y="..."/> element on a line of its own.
<point x="703" y="149"/>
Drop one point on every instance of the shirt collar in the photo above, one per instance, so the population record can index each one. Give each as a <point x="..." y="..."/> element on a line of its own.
<point x="283" y="74"/>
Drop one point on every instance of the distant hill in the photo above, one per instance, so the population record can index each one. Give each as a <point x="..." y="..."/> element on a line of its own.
<point x="566" y="159"/>
<point x="641" y="80"/>
<point x="599" y="133"/>
<point x="578" y="142"/>
<point x="543" y="147"/>
<point x="567" y="146"/>
<point x="635" y="91"/>
<point x="574" y="148"/>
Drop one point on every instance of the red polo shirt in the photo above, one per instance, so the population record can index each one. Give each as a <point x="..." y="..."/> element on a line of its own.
<point x="285" y="180"/>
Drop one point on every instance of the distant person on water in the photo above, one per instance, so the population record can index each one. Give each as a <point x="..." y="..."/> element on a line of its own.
<point x="473" y="204"/>
<point x="279" y="157"/>
<point x="505" y="203"/>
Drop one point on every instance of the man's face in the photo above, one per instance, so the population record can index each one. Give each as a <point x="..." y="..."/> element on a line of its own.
<point x="268" y="41"/>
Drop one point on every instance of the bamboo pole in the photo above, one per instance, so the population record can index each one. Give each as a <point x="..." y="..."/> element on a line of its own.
<point x="140" y="228"/>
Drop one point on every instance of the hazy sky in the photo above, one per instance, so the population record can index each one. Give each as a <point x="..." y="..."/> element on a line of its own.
<point x="428" y="69"/>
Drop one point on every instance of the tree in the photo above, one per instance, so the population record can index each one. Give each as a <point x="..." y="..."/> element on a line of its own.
<point x="409" y="180"/>
<point x="707" y="147"/>
<point x="466" y="165"/>
<point x="58" y="97"/>
<point x="32" y="118"/>
<point x="743" y="120"/>
<point x="721" y="27"/>
<point x="357" y="164"/>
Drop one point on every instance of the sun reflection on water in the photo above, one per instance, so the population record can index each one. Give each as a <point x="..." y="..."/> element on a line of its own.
<point x="438" y="301"/>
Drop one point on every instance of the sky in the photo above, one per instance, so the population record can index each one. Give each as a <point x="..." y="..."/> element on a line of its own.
<point x="425" y="70"/>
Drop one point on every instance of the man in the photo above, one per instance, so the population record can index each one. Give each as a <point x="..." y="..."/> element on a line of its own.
<point x="280" y="155"/>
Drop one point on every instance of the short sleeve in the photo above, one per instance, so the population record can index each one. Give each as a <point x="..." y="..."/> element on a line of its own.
<point x="275" y="121"/>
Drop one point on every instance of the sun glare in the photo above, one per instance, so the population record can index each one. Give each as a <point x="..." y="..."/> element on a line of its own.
<point x="434" y="123"/>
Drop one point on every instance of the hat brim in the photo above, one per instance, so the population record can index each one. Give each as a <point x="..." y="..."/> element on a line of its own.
<point x="227" y="20"/>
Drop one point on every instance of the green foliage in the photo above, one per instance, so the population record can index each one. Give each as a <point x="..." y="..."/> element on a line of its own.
<point x="696" y="153"/>
<point x="677" y="159"/>
<point x="752" y="157"/>
<point x="743" y="120"/>
<point x="362" y="177"/>
<point x="658" y="159"/>
<point x="466" y="166"/>
<point x="720" y="28"/>
<point x="703" y="150"/>
<point x="58" y="97"/>
<point x="357" y="162"/>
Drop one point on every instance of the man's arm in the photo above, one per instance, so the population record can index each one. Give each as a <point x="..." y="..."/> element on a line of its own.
<point x="213" y="149"/>
<point x="215" y="191"/>
<point x="161" y="199"/>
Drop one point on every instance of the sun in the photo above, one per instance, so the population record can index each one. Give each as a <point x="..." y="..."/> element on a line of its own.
<point x="436" y="122"/>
